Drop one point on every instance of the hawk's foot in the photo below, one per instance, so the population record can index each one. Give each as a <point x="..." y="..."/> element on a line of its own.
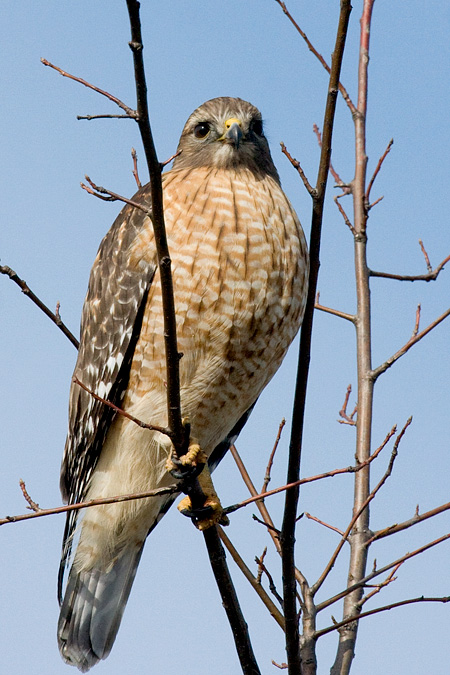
<point x="211" y="512"/>
<point x="189" y="465"/>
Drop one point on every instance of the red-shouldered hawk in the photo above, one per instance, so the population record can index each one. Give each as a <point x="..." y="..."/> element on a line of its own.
<point x="240" y="264"/>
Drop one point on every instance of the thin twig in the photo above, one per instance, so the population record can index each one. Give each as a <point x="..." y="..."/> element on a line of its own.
<point x="321" y="522"/>
<point x="53" y="316"/>
<point x="334" y="312"/>
<point x="312" y="49"/>
<point x="364" y="581"/>
<point x="334" y="173"/>
<point x="347" y="419"/>
<point x="378" y="587"/>
<point x="171" y="158"/>
<point x="272" y="455"/>
<point x="129" y="111"/>
<point x="273" y="609"/>
<point x="31" y="504"/>
<point x="259" y="562"/>
<point x="343" y="213"/>
<point x="272" y="587"/>
<point x="103" y="117"/>
<point x="425" y="255"/>
<point x="135" y="168"/>
<point x="304" y="481"/>
<point x="267" y="520"/>
<point x="377" y="170"/>
<point x="269" y="527"/>
<point x="120" y="411"/>
<point x="429" y="276"/>
<point x="170" y="490"/>
<point x="399" y="527"/>
<point x="296" y="164"/>
<point x="407" y="346"/>
<point x="360" y="510"/>
<point x="386" y="608"/>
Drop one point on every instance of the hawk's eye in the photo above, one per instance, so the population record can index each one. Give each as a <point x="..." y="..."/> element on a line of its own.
<point x="257" y="127"/>
<point x="201" y="130"/>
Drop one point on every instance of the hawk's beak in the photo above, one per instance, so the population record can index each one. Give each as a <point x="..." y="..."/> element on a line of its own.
<point x="233" y="133"/>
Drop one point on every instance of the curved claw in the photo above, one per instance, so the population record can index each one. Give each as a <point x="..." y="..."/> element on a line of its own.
<point x="189" y="465"/>
<point x="181" y="471"/>
<point x="211" y="513"/>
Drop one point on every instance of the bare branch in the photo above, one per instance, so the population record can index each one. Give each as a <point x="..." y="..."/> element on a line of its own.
<point x="377" y="170"/>
<point x="267" y="520"/>
<point x="378" y="587"/>
<point x="343" y="213"/>
<point x="180" y="438"/>
<point x="362" y="508"/>
<point x="386" y="608"/>
<point x="171" y="158"/>
<point x="104" y="117"/>
<point x="399" y="527"/>
<point x="135" y="168"/>
<point x="263" y="569"/>
<point x="335" y="312"/>
<point x="339" y="182"/>
<point x="431" y="275"/>
<point x="425" y="255"/>
<point x="170" y="490"/>
<point x="55" y="317"/>
<point x="273" y="609"/>
<point x="129" y="111"/>
<point x="312" y="49"/>
<point x="364" y="581"/>
<point x="31" y="504"/>
<point x="295" y="445"/>
<point x="347" y="419"/>
<point x="272" y="455"/>
<point x="296" y="164"/>
<point x="119" y="411"/>
<point x="321" y="522"/>
<point x="406" y="347"/>
<point x="303" y="481"/>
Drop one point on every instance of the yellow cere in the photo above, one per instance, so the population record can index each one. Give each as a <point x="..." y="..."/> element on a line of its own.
<point x="231" y="121"/>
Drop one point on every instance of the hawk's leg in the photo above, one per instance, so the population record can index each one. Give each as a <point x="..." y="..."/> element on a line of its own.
<point x="193" y="463"/>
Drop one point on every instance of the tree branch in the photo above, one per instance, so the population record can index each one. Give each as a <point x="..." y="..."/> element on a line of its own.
<point x="312" y="49"/>
<point x="129" y="111"/>
<point x="53" y="316"/>
<point x="431" y="275"/>
<point x="292" y="496"/>
<point x="315" y="587"/>
<point x="399" y="527"/>
<point x="334" y="312"/>
<point x="171" y="490"/>
<point x="407" y="346"/>
<point x="273" y="609"/>
<point x="363" y="582"/>
<point x="386" y="608"/>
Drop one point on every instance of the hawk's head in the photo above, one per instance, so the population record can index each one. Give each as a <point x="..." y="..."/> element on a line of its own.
<point x="226" y="133"/>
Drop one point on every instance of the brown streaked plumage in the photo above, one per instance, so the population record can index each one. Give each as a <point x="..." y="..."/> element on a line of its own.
<point x="239" y="264"/>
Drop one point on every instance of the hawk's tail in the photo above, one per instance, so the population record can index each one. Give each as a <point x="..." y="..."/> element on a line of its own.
<point x="92" y="609"/>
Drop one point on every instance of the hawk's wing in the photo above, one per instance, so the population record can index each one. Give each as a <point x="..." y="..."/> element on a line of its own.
<point x="110" y="326"/>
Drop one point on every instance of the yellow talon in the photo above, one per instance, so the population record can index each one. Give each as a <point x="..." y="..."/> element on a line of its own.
<point x="193" y="457"/>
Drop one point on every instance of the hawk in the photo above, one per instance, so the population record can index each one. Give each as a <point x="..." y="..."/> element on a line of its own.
<point x="240" y="266"/>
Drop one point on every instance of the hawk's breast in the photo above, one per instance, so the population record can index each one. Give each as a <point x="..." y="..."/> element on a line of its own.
<point x="239" y="266"/>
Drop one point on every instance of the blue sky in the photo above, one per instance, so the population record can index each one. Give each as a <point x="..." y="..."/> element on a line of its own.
<point x="50" y="230"/>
